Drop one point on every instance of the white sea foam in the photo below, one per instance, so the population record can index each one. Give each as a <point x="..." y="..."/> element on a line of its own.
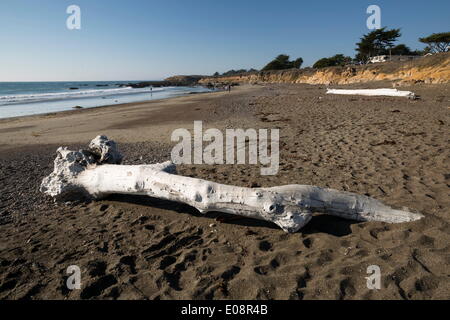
<point x="29" y="102"/>
<point x="72" y="94"/>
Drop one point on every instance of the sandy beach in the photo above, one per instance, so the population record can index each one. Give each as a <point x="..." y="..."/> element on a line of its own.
<point x="132" y="247"/>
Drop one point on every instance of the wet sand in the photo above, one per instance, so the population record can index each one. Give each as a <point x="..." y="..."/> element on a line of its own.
<point x="393" y="149"/>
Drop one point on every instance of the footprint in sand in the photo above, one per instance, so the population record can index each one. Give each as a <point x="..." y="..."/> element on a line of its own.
<point x="96" y="288"/>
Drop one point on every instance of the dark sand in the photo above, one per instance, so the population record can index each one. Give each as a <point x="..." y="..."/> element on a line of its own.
<point x="393" y="149"/>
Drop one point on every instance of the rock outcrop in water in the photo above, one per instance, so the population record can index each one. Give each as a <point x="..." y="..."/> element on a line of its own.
<point x="189" y="80"/>
<point x="175" y="81"/>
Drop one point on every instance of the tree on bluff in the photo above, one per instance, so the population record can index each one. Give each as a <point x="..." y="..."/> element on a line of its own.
<point x="437" y="42"/>
<point x="377" y="42"/>
<point x="282" y="62"/>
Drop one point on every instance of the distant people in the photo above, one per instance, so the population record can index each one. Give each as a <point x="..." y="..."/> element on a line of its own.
<point x="229" y="88"/>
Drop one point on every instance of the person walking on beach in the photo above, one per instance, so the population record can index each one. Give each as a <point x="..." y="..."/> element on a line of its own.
<point x="229" y="88"/>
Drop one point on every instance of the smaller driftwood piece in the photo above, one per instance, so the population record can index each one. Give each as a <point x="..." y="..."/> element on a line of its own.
<point x="96" y="172"/>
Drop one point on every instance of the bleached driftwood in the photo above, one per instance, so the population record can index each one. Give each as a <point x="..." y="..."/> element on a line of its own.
<point x="374" y="92"/>
<point x="95" y="173"/>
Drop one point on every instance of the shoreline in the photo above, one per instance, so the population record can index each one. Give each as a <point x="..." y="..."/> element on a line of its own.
<point x="83" y="109"/>
<point x="74" y="101"/>
<point x="35" y="129"/>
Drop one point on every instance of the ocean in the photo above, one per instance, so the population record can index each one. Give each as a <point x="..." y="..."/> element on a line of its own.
<point x="28" y="98"/>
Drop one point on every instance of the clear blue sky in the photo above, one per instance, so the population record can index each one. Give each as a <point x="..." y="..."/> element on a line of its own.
<point x="140" y="40"/>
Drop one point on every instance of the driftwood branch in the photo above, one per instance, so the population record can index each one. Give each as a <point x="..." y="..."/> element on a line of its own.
<point x="95" y="173"/>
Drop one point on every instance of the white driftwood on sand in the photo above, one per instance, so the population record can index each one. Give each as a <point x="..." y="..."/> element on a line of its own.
<point x="373" y="92"/>
<point x="95" y="173"/>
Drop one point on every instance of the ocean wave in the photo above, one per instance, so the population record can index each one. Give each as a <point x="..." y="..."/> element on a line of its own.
<point x="73" y="94"/>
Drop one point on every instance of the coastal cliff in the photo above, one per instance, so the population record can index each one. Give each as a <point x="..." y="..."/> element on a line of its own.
<point x="430" y="69"/>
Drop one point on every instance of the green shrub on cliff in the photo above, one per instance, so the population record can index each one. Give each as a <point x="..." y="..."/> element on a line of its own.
<point x="336" y="60"/>
<point x="282" y="62"/>
<point x="403" y="50"/>
<point x="231" y="73"/>
<point x="234" y="72"/>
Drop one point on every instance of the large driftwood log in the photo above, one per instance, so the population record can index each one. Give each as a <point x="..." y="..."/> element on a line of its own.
<point x="95" y="173"/>
<point x="374" y="92"/>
